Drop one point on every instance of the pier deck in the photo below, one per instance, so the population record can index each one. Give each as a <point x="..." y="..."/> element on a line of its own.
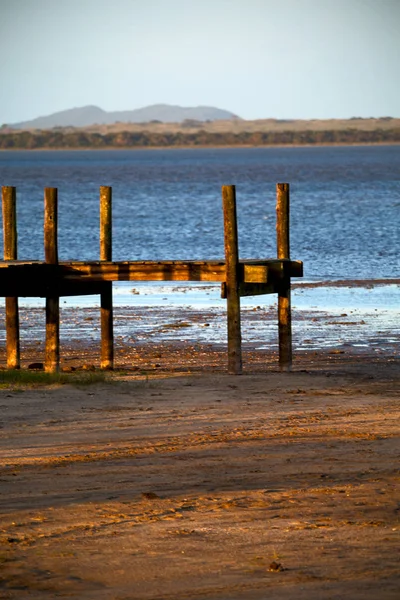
<point x="69" y="278"/>
<point x="53" y="278"/>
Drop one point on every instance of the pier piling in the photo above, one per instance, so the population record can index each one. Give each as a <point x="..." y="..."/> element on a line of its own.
<point x="9" y="204"/>
<point x="52" y="278"/>
<point x="232" y="279"/>
<point x="284" y="299"/>
<point x="106" y="300"/>
<point x="52" y="350"/>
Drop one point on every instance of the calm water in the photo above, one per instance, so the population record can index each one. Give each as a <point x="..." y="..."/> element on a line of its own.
<point x="345" y="204"/>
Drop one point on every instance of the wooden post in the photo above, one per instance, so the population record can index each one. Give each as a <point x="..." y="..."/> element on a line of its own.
<point x="106" y="300"/>
<point x="52" y="351"/>
<point x="284" y="301"/>
<point x="9" y="198"/>
<point x="232" y="279"/>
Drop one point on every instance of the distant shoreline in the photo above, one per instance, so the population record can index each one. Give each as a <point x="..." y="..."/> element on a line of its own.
<point x="216" y="134"/>
<point x="199" y="147"/>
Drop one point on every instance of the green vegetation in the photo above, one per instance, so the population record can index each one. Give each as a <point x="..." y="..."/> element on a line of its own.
<point x="57" y="139"/>
<point x="40" y="378"/>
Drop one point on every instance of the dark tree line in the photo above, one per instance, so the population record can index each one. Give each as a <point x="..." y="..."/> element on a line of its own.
<point x="146" y="139"/>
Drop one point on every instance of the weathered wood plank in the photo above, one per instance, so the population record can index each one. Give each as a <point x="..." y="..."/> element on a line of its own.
<point x="52" y="348"/>
<point x="61" y="288"/>
<point x="276" y="267"/>
<point x="9" y="206"/>
<point x="13" y="349"/>
<point x="255" y="273"/>
<point x="9" y="209"/>
<point x="182" y="270"/>
<point x="107" y="328"/>
<point x="232" y="279"/>
<point x="106" y="299"/>
<point x="251" y="289"/>
<point x="50" y="226"/>
<point x="148" y="271"/>
<point x="34" y="277"/>
<point x="284" y="295"/>
<point x="105" y="223"/>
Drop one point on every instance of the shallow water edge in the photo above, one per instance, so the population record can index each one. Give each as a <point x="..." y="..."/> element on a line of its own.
<point x="347" y="318"/>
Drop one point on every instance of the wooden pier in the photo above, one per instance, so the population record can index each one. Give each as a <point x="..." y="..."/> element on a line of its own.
<point x="52" y="279"/>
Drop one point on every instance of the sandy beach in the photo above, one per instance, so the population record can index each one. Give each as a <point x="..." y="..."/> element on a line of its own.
<point x="192" y="162"/>
<point x="174" y="480"/>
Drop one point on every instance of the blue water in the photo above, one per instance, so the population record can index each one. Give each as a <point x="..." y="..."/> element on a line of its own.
<point x="345" y="204"/>
<point x="345" y="213"/>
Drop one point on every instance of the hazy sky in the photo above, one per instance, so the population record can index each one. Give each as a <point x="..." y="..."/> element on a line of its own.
<point x="257" y="58"/>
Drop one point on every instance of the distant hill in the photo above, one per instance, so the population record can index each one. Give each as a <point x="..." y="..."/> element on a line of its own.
<point x="90" y="115"/>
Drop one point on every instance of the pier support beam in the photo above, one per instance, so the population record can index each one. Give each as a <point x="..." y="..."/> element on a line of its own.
<point x="52" y="350"/>
<point x="232" y="279"/>
<point x="284" y="300"/>
<point x="106" y="299"/>
<point x="9" y="205"/>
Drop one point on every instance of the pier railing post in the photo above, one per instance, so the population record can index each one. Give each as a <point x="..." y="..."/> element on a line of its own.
<point x="232" y="279"/>
<point x="52" y="351"/>
<point x="9" y="205"/>
<point x="106" y="300"/>
<point x="284" y="300"/>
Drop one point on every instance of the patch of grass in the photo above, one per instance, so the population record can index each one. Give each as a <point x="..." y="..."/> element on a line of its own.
<point x="40" y="378"/>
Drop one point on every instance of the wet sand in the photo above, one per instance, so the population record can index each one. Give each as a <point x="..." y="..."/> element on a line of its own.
<point x="174" y="480"/>
<point x="185" y="335"/>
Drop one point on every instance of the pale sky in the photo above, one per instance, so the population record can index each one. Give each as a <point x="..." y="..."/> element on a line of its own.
<point x="283" y="59"/>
